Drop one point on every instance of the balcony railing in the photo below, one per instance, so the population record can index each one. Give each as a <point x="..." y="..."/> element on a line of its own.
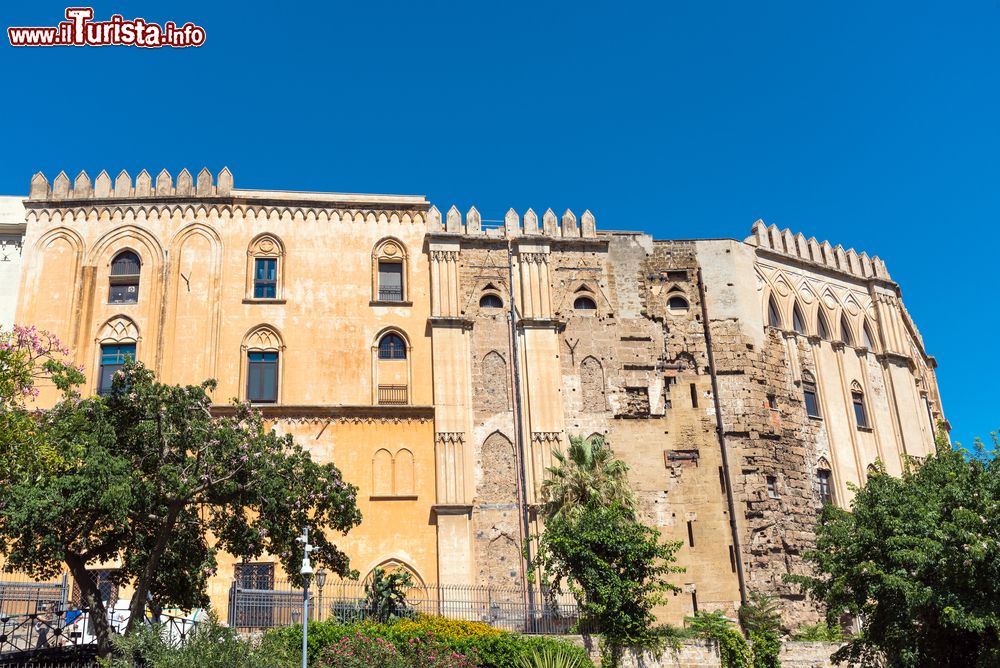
<point x="392" y="395"/>
<point x="390" y="293"/>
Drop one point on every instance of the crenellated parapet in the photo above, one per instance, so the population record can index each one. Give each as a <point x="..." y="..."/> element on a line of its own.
<point x="565" y="227"/>
<point x="82" y="188"/>
<point x="834" y="257"/>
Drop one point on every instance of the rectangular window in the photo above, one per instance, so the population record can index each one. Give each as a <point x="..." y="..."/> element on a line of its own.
<point x="694" y="601"/>
<point x="823" y="482"/>
<point x="772" y="402"/>
<point x="124" y="293"/>
<point x="390" y="282"/>
<point x="256" y="601"/>
<point x="772" y="487"/>
<point x="722" y="480"/>
<point x="113" y="357"/>
<point x="265" y="278"/>
<point x="694" y="396"/>
<point x="262" y="377"/>
<point x="860" y="416"/>
<point x="809" y="396"/>
<point x="690" y="533"/>
<point x="732" y="558"/>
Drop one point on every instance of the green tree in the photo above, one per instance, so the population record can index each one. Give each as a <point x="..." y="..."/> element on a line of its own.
<point x="615" y="566"/>
<point x="917" y="562"/>
<point x="28" y="356"/>
<point x="587" y="472"/>
<point x="760" y="618"/>
<point x="151" y="474"/>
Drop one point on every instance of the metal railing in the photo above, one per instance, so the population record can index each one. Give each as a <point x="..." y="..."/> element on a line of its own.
<point x="20" y="595"/>
<point x="390" y="294"/>
<point x="502" y="608"/>
<point x="392" y="395"/>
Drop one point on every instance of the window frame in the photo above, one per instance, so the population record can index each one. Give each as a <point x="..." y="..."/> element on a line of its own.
<point x="860" y="410"/>
<point x="584" y="309"/>
<point x="272" y="365"/>
<point x="402" y="355"/>
<point x="124" y="280"/>
<point x="265" y="246"/>
<point x="262" y="284"/>
<point x="488" y="295"/>
<point x="824" y="484"/>
<point x="809" y="388"/>
<point x="112" y="366"/>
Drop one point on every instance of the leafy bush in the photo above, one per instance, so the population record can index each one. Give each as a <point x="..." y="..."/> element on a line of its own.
<point x="385" y="595"/>
<point x="552" y="657"/>
<point x="760" y="617"/>
<point x="360" y="651"/>
<point x="734" y="652"/>
<point x="821" y="632"/>
<point x="491" y="647"/>
<point x="210" y="644"/>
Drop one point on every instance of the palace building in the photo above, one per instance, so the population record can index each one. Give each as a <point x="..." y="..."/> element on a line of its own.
<point x="438" y="360"/>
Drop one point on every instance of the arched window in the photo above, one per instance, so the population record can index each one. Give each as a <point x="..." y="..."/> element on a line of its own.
<point x="494" y="397"/>
<point x="822" y="330"/>
<point x="391" y="347"/>
<point x="858" y="401"/>
<point x="584" y="304"/>
<point x="124" y="279"/>
<point x="265" y="268"/>
<point x="845" y="331"/>
<point x="773" y="316"/>
<point x="798" y="324"/>
<point x="490" y="300"/>
<point x="810" y="396"/>
<point x="824" y="484"/>
<point x="677" y="304"/>
<point x="117" y="339"/>
<point x="389" y="271"/>
<point x="263" y="357"/>
<point x="869" y="341"/>
<point x="592" y="386"/>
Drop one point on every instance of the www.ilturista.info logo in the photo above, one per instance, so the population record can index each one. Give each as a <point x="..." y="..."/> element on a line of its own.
<point x="80" y="30"/>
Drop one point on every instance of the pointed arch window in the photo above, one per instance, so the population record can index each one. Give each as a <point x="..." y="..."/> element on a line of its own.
<point x="845" y="331"/>
<point x="263" y="348"/>
<point x="124" y="279"/>
<point x="798" y="324"/>
<point x="822" y="330"/>
<point x="773" y="316"/>
<point x="868" y="339"/>
<point x="391" y="347"/>
<point x="810" y="396"/>
<point x="858" y="401"/>
<point x="824" y="484"/>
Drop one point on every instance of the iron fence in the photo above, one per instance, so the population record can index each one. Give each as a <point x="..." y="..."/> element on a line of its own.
<point x="392" y="395"/>
<point x="20" y="595"/>
<point x="510" y="609"/>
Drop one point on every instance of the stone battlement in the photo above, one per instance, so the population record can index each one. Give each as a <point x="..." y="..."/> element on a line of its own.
<point x="565" y="227"/>
<point x="102" y="187"/>
<point x="810" y="250"/>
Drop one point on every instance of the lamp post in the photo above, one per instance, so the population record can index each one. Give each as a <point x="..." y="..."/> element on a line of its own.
<point x="320" y="582"/>
<point x="306" y="571"/>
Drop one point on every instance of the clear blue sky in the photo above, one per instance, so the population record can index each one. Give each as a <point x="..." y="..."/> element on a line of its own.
<point x="872" y="124"/>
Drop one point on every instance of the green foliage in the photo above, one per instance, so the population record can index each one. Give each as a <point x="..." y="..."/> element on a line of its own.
<point x="587" y="473"/>
<point x="614" y="565"/>
<point x="821" y="632"/>
<point x="209" y="645"/>
<point x="917" y="562"/>
<point x="760" y="618"/>
<point x="553" y="657"/>
<point x="27" y="357"/>
<point x="385" y="595"/>
<point x="360" y="651"/>
<point x="150" y="474"/>
<point x="734" y="651"/>
<point x="492" y="647"/>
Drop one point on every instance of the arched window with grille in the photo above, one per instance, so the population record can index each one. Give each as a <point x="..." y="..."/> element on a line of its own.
<point x="584" y="303"/>
<point x="124" y="278"/>
<point x="391" y="347"/>
<point x="391" y="369"/>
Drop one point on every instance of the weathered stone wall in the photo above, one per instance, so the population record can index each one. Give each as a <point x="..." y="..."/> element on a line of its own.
<point x="704" y="654"/>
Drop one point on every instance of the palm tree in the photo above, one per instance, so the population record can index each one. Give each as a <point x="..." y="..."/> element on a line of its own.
<point x="588" y="472"/>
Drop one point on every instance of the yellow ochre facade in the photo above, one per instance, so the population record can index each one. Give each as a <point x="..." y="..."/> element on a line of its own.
<point x="744" y="382"/>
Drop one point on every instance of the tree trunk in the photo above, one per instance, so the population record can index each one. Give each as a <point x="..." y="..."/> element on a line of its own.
<point x="137" y="606"/>
<point x="92" y="599"/>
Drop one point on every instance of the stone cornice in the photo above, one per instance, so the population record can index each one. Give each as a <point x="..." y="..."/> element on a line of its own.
<point x="331" y="413"/>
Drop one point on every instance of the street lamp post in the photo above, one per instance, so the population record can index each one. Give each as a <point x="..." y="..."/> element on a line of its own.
<point x="320" y="582"/>
<point x="306" y="571"/>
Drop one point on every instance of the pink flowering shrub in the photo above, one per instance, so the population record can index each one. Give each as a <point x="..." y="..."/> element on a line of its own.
<point x="28" y="355"/>
<point x="360" y="651"/>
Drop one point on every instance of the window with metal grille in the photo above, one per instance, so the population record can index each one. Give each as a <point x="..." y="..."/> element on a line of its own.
<point x="860" y="415"/>
<point x="823" y="483"/>
<point x="265" y="278"/>
<point x="262" y="377"/>
<point x="585" y="304"/>
<point x="113" y="356"/>
<point x="490" y="300"/>
<point x="391" y="347"/>
<point x="124" y="279"/>
<point x="390" y="281"/>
